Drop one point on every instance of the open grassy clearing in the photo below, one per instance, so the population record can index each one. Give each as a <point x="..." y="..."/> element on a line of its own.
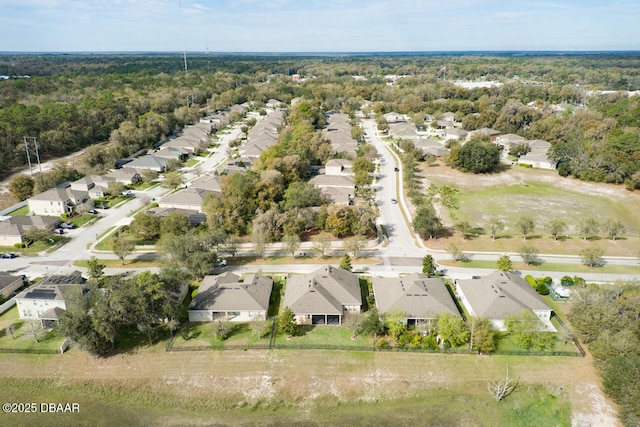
<point x="542" y="195"/>
<point x="24" y="334"/>
<point x="302" y="387"/>
<point x="203" y="335"/>
<point x="549" y="266"/>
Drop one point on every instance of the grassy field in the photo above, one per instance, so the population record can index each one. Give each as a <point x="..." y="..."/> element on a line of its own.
<point x="24" y="334"/>
<point x="287" y="387"/>
<point x="542" y="195"/>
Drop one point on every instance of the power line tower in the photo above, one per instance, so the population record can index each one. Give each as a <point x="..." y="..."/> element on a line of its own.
<point x="27" y="145"/>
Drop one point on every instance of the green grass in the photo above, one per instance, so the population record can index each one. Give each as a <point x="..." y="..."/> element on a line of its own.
<point x="190" y="163"/>
<point x="22" y="211"/>
<point x="23" y="335"/>
<point x="203" y="334"/>
<point x="549" y="266"/>
<point x="329" y="336"/>
<point x="133" y="402"/>
<point x="543" y="201"/>
<point x="128" y="263"/>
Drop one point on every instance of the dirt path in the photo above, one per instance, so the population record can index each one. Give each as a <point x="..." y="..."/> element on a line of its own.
<point x="301" y="376"/>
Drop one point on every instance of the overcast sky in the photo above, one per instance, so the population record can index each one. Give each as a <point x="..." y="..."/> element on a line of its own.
<point x="318" y="25"/>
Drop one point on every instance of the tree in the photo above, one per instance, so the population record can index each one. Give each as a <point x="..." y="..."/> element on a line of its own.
<point x="555" y="227"/>
<point x="527" y="331"/>
<point x="291" y="243"/>
<point x="504" y="263"/>
<point x="115" y="188"/>
<point x="478" y="157"/>
<point x="21" y="187"/>
<point x="452" y="329"/>
<point x="287" y="322"/>
<point x="455" y="251"/>
<point x="122" y="247"/>
<point x="345" y="263"/>
<point x="614" y="229"/>
<point x="355" y="244"/>
<point x="526" y="225"/>
<point x="145" y="226"/>
<point x="221" y="330"/>
<point x="501" y="389"/>
<point x="173" y="179"/>
<point x="372" y="325"/>
<point x="353" y="321"/>
<point x="592" y="257"/>
<point x="428" y="265"/>
<point x="464" y="228"/>
<point x="447" y="196"/>
<point x="231" y="244"/>
<point x="149" y="175"/>
<point x="426" y="223"/>
<point x="588" y="228"/>
<point x="321" y="244"/>
<point x="95" y="268"/>
<point x="528" y="253"/>
<point x="192" y="251"/>
<point x="175" y="223"/>
<point x="494" y="225"/>
<point x="35" y="234"/>
<point x="482" y="337"/>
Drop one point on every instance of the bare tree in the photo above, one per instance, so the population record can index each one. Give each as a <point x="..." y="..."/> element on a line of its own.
<point x="503" y="388"/>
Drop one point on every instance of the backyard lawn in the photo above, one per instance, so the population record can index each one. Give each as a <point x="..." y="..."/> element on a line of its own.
<point x="24" y="334"/>
<point x="198" y="335"/>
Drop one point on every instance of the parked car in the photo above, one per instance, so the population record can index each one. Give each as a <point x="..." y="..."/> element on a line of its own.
<point x="9" y="255"/>
<point x="58" y="231"/>
<point x="93" y="211"/>
<point x="127" y="193"/>
<point x="67" y="225"/>
<point x="101" y="206"/>
<point x="396" y="169"/>
<point x="222" y="263"/>
<point x="394" y="201"/>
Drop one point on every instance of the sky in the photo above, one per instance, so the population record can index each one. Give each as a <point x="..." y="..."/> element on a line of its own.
<point x="317" y="25"/>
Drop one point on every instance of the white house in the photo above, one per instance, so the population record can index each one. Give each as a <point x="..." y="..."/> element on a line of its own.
<point x="499" y="295"/>
<point x="57" y="201"/>
<point x="45" y="301"/>
<point x="226" y="297"/>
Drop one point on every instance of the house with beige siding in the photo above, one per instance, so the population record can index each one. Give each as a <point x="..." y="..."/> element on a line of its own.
<point x="227" y="297"/>
<point x="323" y="296"/>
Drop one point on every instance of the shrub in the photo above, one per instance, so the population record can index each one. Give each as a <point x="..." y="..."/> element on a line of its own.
<point x="529" y="278"/>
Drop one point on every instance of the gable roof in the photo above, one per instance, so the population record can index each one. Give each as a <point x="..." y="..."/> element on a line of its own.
<point x="19" y="224"/>
<point x="191" y="196"/>
<point x="416" y="294"/>
<point x="7" y="279"/>
<point x="61" y="195"/>
<point x="225" y="292"/>
<point x="500" y="294"/>
<point x="148" y="162"/>
<point x="52" y="288"/>
<point x="323" y="291"/>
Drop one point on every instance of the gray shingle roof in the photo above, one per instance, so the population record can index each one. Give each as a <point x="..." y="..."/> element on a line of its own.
<point x="225" y="292"/>
<point x="416" y="294"/>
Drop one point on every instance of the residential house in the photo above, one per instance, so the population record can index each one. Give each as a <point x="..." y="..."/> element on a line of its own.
<point x="338" y="167"/>
<point x="430" y="147"/>
<point x="419" y="297"/>
<point x="13" y="230"/>
<point x="492" y="134"/>
<point x="190" y="198"/>
<point x="455" y="134"/>
<point x="226" y="297"/>
<point x="57" y="201"/>
<point x="342" y="181"/>
<point x="45" y="301"/>
<point x="126" y="176"/>
<point x="208" y="183"/>
<point x="158" y="164"/>
<point x="323" y="296"/>
<point x="500" y="295"/>
<point x="537" y="160"/>
<point x="509" y="140"/>
<point x="10" y="283"/>
<point x="195" y="217"/>
<point x="404" y="130"/>
<point x="96" y="185"/>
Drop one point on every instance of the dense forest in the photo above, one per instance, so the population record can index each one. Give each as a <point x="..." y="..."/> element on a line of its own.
<point x="71" y="101"/>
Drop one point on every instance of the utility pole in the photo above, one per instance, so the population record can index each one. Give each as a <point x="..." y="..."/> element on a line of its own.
<point x="27" y="146"/>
